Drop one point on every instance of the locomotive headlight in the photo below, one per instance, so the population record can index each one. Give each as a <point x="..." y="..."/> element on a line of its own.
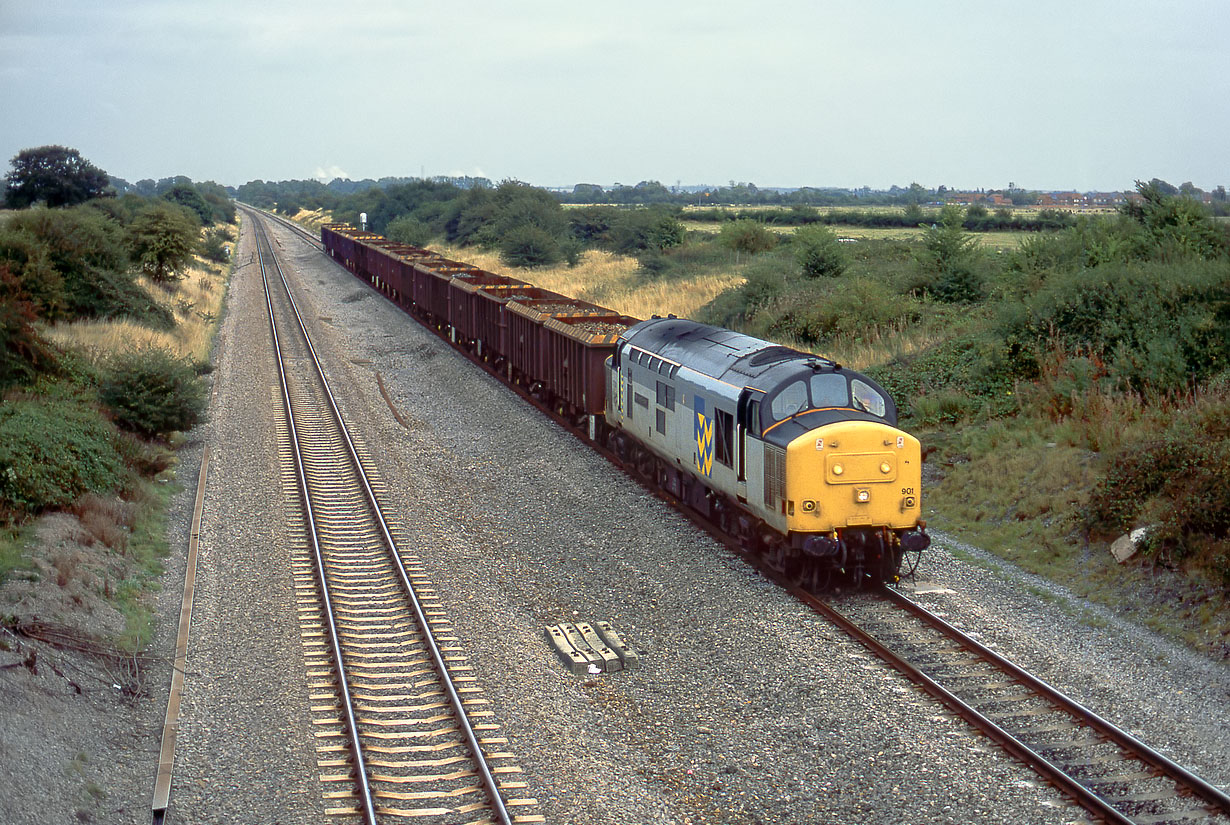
<point x="837" y="470"/>
<point x="885" y="467"/>
<point x="862" y="496"/>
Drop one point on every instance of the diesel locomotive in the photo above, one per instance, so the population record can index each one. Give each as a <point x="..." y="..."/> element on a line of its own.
<point x="797" y="457"/>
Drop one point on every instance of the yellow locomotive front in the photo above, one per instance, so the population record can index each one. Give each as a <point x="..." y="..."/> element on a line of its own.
<point x="853" y="474"/>
<point x="853" y="508"/>
<point x="851" y="481"/>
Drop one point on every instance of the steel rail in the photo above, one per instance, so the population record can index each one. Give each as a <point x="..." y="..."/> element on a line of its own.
<point x="1048" y="770"/>
<point x="307" y="237"/>
<point x="360" y="764"/>
<point x="1120" y="737"/>
<point x="399" y="565"/>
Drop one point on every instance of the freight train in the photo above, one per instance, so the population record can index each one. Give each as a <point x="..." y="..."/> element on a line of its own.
<point x="795" y="456"/>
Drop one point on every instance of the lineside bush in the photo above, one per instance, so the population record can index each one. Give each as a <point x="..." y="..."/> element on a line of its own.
<point x="39" y="471"/>
<point x="151" y="392"/>
<point x="1158" y="327"/>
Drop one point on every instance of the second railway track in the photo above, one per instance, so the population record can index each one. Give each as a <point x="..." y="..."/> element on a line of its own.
<point x="403" y="730"/>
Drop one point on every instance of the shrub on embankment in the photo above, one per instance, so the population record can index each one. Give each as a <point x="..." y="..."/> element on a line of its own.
<point x="53" y="449"/>
<point x="149" y="391"/>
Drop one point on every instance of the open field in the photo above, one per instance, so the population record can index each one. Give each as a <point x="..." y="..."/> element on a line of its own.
<point x="990" y="240"/>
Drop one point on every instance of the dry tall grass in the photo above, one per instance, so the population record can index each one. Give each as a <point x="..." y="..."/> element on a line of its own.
<point x="879" y="345"/>
<point x="196" y="301"/>
<point x="609" y="280"/>
<point x="312" y="218"/>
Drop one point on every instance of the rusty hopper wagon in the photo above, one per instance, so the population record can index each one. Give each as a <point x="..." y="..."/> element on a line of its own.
<point x="552" y="345"/>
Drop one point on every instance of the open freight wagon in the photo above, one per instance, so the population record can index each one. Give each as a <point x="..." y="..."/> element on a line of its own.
<point x="553" y="346"/>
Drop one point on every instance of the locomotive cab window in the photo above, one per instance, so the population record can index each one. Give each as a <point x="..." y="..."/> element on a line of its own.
<point x="828" y="389"/>
<point x="790" y="401"/>
<point x="866" y="398"/>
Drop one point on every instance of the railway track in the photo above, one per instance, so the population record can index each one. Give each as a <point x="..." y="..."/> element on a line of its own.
<point x="402" y="728"/>
<point x="1113" y="776"/>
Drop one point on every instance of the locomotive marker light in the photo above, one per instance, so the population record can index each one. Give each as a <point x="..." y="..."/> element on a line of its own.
<point x="862" y="496"/>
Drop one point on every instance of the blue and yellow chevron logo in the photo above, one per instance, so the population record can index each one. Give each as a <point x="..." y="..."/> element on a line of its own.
<point x="704" y="439"/>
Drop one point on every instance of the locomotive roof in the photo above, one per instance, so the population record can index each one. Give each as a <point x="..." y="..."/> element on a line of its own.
<point x="720" y="353"/>
<point x="743" y="361"/>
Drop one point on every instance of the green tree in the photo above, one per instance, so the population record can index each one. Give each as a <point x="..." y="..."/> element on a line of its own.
<point x="636" y="230"/>
<point x="947" y="261"/>
<point x="54" y="175"/>
<point x="1177" y="225"/>
<point x="946" y="241"/>
<point x="409" y="230"/>
<point x="818" y="252"/>
<point x="530" y="246"/>
<point x="916" y="194"/>
<point x="162" y="239"/>
<point x="185" y="195"/>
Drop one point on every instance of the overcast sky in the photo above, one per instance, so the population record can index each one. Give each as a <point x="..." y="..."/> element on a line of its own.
<point x="1049" y="94"/>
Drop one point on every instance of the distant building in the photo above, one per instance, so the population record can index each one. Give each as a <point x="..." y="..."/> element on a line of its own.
<point x="966" y="198"/>
<point x="1105" y="199"/>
